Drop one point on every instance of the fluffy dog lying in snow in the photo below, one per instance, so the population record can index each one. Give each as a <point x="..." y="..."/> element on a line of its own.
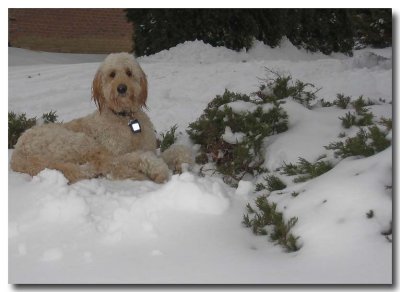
<point x="117" y="140"/>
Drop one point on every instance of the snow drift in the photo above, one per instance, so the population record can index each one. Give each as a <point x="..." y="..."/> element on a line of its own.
<point x="189" y="229"/>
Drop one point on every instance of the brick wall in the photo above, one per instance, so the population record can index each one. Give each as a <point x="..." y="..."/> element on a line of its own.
<point x="70" y="30"/>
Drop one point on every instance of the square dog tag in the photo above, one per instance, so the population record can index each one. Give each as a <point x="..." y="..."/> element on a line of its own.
<point x="135" y="126"/>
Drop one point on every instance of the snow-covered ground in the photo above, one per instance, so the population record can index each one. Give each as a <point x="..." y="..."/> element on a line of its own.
<point x="23" y="57"/>
<point x="189" y="230"/>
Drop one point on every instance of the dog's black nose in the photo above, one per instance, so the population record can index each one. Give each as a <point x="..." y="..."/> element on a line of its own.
<point x="121" y="88"/>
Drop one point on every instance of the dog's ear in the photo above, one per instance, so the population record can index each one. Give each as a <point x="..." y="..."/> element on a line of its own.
<point x="97" y="91"/>
<point x="143" y="90"/>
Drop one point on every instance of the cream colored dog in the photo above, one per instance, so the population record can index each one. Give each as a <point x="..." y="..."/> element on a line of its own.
<point x="116" y="141"/>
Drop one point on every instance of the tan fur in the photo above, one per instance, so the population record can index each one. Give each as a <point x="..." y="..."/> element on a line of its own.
<point x="102" y="144"/>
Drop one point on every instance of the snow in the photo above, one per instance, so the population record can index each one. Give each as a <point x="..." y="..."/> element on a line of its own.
<point x="189" y="230"/>
<point x="370" y="60"/>
<point x="23" y="57"/>
<point x="309" y="131"/>
<point x="244" y="189"/>
<point x="51" y="255"/>
<point x="232" y="138"/>
<point x="240" y="106"/>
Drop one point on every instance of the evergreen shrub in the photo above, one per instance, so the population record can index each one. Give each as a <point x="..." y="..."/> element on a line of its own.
<point x="263" y="117"/>
<point x="342" y="101"/>
<point x="274" y="183"/>
<point x="363" y="144"/>
<point x="19" y="123"/>
<point x="264" y="219"/>
<point x="387" y="123"/>
<point x="168" y="138"/>
<point x="236" y="158"/>
<point x="306" y="170"/>
<point x="277" y="87"/>
<point x="361" y="117"/>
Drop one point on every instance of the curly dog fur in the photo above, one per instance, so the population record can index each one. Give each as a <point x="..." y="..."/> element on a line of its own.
<point x="102" y="144"/>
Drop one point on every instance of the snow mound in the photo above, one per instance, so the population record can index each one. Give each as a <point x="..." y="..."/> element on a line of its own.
<point x="284" y="51"/>
<point x="301" y="139"/>
<point x="132" y="210"/>
<point x="142" y="218"/>
<point x="339" y="200"/>
<point x="366" y="59"/>
<point x="244" y="189"/>
<point x="199" y="52"/>
<point x="58" y="203"/>
<point x="194" y="51"/>
<point x="187" y="192"/>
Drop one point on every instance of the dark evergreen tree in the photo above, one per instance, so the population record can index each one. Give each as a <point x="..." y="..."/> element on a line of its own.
<point x="271" y="24"/>
<point x="325" y="30"/>
<point x="372" y="27"/>
<point x="231" y="28"/>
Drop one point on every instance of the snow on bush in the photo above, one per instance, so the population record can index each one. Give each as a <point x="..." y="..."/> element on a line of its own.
<point x="231" y="130"/>
<point x="232" y="138"/>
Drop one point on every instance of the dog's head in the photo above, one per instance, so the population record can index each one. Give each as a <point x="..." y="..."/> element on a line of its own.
<point x="120" y="84"/>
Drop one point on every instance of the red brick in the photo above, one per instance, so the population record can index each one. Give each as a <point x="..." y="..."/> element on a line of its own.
<point x="31" y="27"/>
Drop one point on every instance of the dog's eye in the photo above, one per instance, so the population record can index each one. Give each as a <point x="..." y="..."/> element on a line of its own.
<point x="129" y="73"/>
<point x="112" y="74"/>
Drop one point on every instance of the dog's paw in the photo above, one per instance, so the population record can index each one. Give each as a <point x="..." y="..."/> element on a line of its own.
<point x="159" y="177"/>
<point x="155" y="168"/>
<point x="179" y="158"/>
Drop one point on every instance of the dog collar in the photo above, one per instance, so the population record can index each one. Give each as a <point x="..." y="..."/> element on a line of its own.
<point x="123" y="113"/>
<point x="133" y="124"/>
